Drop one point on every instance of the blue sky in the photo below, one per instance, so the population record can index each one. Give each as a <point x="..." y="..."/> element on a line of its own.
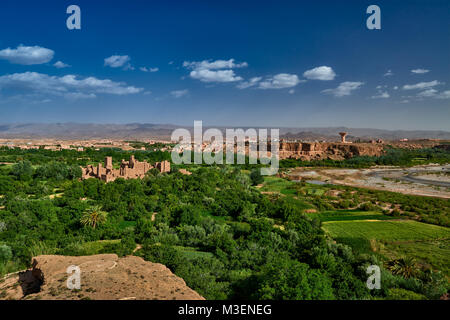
<point x="235" y="63"/>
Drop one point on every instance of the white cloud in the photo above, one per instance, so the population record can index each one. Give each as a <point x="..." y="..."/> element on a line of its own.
<point x="250" y="83"/>
<point x="292" y="91"/>
<point x="280" y="81"/>
<point x="344" y="89"/>
<point x="420" y="71"/>
<point x="444" y="95"/>
<point x="389" y="73"/>
<point x="207" y="75"/>
<point x="61" y="65"/>
<point x="214" y="71"/>
<point x="433" y="93"/>
<point x="68" y="86"/>
<point x="218" y="64"/>
<point x="179" y="93"/>
<point x="421" y="85"/>
<point x="118" y="61"/>
<point x="427" y="90"/>
<point x="27" y="55"/>
<point x="320" y="73"/>
<point x="427" y="93"/>
<point x="381" y="95"/>
<point x="145" y="69"/>
<point x="396" y="88"/>
<point x="79" y="95"/>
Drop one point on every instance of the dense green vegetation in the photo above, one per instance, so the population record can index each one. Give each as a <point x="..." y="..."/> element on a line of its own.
<point x="148" y="146"/>
<point x="226" y="237"/>
<point x="375" y="223"/>
<point x="73" y="157"/>
<point x="329" y="198"/>
<point x="392" y="157"/>
<point x="211" y="228"/>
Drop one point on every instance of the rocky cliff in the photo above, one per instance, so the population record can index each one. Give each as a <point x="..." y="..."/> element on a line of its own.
<point x="328" y="150"/>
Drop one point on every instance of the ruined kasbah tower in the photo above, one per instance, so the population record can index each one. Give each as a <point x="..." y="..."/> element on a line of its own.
<point x="132" y="169"/>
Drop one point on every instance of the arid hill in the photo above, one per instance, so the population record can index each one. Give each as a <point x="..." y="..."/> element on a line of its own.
<point x="103" y="277"/>
<point x="132" y="131"/>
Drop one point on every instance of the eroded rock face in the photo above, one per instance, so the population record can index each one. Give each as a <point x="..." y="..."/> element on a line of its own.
<point x="327" y="150"/>
<point x="104" y="276"/>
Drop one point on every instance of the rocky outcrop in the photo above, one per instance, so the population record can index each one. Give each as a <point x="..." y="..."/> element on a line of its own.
<point x="105" y="277"/>
<point x="327" y="150"/>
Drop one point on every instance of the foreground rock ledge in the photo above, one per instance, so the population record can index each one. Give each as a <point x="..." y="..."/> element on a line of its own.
<point x="103" y="277"/>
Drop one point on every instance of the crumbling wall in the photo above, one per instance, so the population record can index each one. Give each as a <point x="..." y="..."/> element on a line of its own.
<point x="131" y="169"/>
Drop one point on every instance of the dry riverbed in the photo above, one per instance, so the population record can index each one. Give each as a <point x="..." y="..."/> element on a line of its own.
<point x="426" y="180"/>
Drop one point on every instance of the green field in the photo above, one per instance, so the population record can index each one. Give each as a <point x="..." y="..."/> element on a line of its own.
<point x="279" y="185"/>
<point x="386" y="230"/>
<point x="435" y="253"/>
<point x="286" y="187"/>
<point x="349" y="215"/>
<point x="428" y="244"/>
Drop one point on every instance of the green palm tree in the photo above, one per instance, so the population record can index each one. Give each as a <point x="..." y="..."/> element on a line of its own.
<point x="93" y="216"/>
<point x="405" y="267"/>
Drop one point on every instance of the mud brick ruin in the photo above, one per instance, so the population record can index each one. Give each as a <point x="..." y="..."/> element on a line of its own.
<point x="132" y="169"/>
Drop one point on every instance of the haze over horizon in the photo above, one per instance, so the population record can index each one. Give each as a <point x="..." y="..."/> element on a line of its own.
<point x="266" y="64"/>
<point x="139" y="131"/>
<point x="205" y="125"/>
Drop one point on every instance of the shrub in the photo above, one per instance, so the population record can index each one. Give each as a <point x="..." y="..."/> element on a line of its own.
<point x="256" y="177"/>
<point x="402" y="294"/>
<point x="5" y="253"/>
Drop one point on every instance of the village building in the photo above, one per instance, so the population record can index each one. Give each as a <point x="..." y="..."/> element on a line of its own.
<point x="132" y="169"/>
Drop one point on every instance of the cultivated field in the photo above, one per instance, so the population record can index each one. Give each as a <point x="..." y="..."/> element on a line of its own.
<point x="427" y="244"/>
<point x="386" y="230"/>
<point x="372" y="231"/>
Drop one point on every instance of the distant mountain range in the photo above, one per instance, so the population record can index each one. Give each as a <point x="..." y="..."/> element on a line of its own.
<point x="163" y="131"/>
